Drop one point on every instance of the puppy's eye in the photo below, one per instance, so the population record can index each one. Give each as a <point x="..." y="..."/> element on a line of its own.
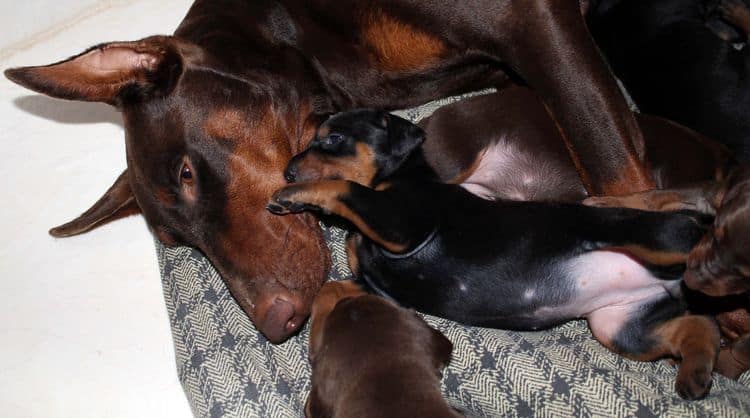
<point x="333" y="139"/>
<point x="186" y="174"/>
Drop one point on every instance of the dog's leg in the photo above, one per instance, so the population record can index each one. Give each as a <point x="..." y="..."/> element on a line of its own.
<point x="701" y="198"/>
<point x="559" y="59"/>
<point x="378" y="215"/>
<point x="655" y="331"/>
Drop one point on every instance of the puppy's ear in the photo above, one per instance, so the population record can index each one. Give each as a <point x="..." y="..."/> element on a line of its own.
<point x="403" y="136"/>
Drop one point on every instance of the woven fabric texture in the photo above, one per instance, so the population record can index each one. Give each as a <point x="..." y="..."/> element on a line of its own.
<point x="228" y="369"/>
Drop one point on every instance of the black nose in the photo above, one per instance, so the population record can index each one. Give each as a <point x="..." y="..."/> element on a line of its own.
<point x="290" y="174"/>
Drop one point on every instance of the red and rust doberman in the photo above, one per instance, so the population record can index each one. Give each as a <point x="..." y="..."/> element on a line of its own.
<point x="213" y="113"/>
<point x="372" y="358"/>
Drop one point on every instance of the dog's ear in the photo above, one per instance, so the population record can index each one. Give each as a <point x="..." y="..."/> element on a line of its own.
<point x="116" y="203"/>
<point x="403" y="136"/>
<point x="109" y="73"/>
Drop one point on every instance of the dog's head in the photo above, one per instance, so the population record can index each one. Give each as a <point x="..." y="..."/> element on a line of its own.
<point x="364" y="146"/>
<point x="341" y="305"/>
<point x="207" y="142"/>
<point x="719" y="264"/>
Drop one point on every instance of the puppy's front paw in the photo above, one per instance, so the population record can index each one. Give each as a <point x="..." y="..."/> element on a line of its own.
<point x="286" y="200"/>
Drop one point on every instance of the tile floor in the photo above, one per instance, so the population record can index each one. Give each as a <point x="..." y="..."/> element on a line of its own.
<point x="83" y="326"/>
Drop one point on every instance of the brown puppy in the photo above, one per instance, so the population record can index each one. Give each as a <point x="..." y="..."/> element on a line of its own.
<point x="372" y="358"/>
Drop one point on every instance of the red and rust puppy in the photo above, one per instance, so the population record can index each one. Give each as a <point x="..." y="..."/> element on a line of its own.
<point x="372" y="359"/>
<point x="505" y="264"/>
<point x="213" y="114"/>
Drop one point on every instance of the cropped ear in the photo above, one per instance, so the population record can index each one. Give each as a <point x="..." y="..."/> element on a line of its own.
<point x="403" y="136"/>
<point x="116" y="203"/>
<point x="108" y="73"/>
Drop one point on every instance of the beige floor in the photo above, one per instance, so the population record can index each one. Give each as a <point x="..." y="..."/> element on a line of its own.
<point x="83" y="326"/>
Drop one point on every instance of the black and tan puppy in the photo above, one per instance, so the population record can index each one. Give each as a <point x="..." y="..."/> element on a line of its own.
<point x="372" y="358"/>
<point x="505" y="264"/>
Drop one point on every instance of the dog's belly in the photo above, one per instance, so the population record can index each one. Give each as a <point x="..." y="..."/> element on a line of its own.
<point x="506" y="170"/>
<point x="603" y="287"/>
<point x="610" y="288"/>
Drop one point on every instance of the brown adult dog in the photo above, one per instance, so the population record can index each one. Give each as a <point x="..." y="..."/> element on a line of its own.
<point x="213" y="114"/>
<point x="372" y="358"/>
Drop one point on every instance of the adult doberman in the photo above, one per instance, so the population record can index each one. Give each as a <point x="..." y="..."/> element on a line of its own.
<point x="213" y="114"/>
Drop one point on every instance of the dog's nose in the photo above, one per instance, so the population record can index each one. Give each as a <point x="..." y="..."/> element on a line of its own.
<point x="290" y="174"/>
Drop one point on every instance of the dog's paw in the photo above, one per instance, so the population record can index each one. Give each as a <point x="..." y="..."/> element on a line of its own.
<point x="694" y="383"/>
<point x="282" y="202"/>
<point x="289" y="200"/>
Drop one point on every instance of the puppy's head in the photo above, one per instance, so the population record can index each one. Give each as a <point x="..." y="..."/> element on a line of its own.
<point x="364" y="146"/>
<point x="719" y="264"/>
<point x="330" y="294"/>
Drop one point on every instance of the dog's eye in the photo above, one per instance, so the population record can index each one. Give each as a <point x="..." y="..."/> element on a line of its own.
<point x="333" y="139"/>
<point x="186" y="174"/>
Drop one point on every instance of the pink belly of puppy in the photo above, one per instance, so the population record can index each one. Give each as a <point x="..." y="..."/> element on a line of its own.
<point x="610" y="287"/>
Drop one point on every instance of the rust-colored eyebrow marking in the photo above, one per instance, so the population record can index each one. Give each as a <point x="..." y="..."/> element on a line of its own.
<point x="359" y="168"/>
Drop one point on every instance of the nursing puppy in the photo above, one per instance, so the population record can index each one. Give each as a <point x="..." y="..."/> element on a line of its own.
<point x="505" y="264"/>
<point x="372" y="358"/>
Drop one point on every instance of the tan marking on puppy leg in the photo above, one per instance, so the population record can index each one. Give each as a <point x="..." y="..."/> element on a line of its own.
<point x="694" y="339"/>
<point x="654" y="257"/>
<point x="327" y="195"/>
<point x="697" y="198"/>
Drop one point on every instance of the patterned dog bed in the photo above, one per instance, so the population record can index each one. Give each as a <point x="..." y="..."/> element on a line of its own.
<point x="227" y="368"/>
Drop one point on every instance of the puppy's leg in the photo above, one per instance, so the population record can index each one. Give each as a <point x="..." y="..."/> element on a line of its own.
<point x="600" y="132"/>
<point x="380" y="216"/>
<point x="652" y="332"/>
<point x="700" y="198"/>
